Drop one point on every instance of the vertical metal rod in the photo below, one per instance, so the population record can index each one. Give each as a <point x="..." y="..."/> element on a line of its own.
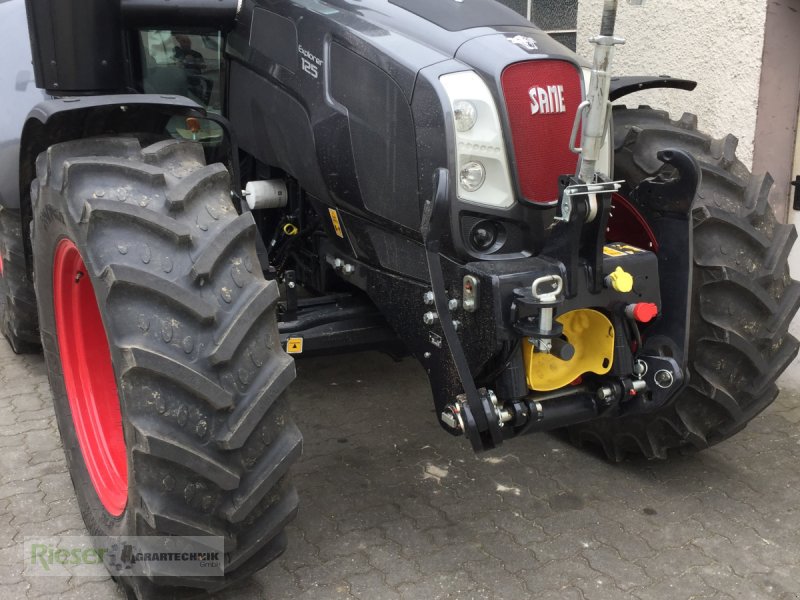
<point x="595" y="116"/>
<point x="609" y="17"/>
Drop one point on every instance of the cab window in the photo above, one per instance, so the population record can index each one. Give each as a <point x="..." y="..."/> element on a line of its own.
<point x="185" y="64"/>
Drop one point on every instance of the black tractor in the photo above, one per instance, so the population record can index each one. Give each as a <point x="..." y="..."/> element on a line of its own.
<point x="209" y="189"/>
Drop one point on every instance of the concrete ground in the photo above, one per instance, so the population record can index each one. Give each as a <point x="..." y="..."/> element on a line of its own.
<point x="392" y="507"/>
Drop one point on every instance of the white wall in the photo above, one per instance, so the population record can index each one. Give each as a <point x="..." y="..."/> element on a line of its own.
<point x="718" y="43"/>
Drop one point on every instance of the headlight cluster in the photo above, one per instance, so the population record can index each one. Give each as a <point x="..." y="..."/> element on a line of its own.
<point x="483" y="175"/>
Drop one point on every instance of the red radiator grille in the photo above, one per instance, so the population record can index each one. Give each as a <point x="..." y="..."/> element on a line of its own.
<point x="542" y="97"/>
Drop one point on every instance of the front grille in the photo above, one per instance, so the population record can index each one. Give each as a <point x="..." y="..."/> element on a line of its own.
<point x="541" y="126"/>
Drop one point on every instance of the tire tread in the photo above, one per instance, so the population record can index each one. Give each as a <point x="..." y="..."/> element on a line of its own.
<point x="744" y="301"/>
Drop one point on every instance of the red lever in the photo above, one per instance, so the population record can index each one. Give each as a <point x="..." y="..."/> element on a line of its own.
<point x="644" y="312"/>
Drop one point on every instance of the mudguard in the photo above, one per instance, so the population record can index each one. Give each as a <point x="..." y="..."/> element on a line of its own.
<point x="63" y="119"/>
<point x="623" y="86"/>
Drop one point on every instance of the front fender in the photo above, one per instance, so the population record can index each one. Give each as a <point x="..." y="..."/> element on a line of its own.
<point x="623" y="86"/>
<point x="69" y="118"/>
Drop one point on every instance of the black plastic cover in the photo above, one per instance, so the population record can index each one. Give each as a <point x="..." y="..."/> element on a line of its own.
<point x="76" y="45"/>
<point x="216" y="15"/>
<point x="381" y="135"/>
<point x="622" y="86"/>
<point x="275" y="37"/>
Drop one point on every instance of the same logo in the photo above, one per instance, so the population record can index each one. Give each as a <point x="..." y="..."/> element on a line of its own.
<point x="547" y="100"/>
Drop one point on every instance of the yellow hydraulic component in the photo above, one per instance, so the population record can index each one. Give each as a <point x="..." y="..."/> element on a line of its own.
<point x="621" y="281"/>
<point x="290" y="229"/>
<point x="591" y="334"/>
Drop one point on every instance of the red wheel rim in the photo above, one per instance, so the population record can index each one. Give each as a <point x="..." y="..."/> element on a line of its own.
<point x="89" y="378"/>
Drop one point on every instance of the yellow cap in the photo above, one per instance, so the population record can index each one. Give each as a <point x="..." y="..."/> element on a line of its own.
<point x="620" y="280"/>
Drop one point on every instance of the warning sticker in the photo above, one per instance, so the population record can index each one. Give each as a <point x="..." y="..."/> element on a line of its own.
<point x="337" y="226"/>
<point x="609" y="251"/>
<point x="294" y="345"/>
<point x="620" y="249"/>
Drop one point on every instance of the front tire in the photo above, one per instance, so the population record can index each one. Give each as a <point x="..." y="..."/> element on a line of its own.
<point x="152" y="239"/>
<point x="743" y="298"/>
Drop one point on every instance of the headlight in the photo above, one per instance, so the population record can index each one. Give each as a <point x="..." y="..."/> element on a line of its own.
<point x="483" y="175"/>
<point x="465" y="115"/>
<point x="472" y="176"/>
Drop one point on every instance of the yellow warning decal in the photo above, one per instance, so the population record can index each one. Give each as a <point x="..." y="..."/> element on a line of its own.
<point x="628" y="249"/>
<point x="294" y="345"/>
<point x="620" y="249"/>
<point x="609" y="251"/>
<point x="337" y="226"/>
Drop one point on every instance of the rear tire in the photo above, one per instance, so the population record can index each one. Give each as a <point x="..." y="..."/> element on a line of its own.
<point x="191" y="329"/>
<point x="18" y="319"/>
<point x="743" y="297"/>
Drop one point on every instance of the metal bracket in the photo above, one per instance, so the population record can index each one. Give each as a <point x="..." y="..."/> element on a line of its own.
<point x="662" y="376"/>
<point x="572" y="241"/>
<point x="290" y="282"/>
<point x="481" y="424"/>
<point x="667" y="206"/>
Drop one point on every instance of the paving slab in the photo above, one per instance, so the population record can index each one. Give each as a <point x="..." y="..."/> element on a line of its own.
<point x="392" y="507"/>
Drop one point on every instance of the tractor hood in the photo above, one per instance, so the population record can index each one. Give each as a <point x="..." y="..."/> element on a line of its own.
<point x="401" y="37"/>
<point x="358" y="89"/>
<point x="442" y="25"/>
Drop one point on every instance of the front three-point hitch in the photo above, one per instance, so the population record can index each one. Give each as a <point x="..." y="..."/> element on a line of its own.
<point x="577" y="309"/>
